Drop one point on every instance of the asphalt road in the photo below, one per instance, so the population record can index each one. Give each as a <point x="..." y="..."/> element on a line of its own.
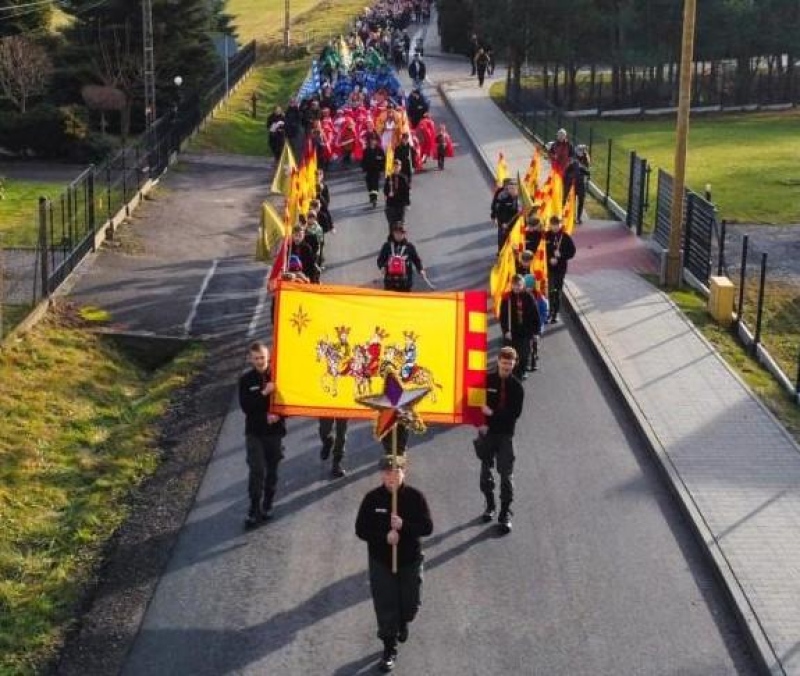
<point x="600" y="576"/>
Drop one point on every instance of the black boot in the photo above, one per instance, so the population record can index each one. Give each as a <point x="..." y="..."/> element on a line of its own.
<point x="504" y="519"/>
<point x="389" y="656"/>
<point x="490" y="511"/>
<point x="337" y="471"/>
<point x="325" y="451"/>
<point x="255" y="515"/>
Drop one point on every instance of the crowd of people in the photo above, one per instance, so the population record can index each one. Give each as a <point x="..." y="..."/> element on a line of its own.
<point x="357" y="115"/>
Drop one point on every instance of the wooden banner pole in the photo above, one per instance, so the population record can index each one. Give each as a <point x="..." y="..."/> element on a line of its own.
<point x="394" y="493"/>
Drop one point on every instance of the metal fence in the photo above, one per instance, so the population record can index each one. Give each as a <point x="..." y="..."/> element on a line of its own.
<point x="767" y="305"/>
<point x="67" y="225"/>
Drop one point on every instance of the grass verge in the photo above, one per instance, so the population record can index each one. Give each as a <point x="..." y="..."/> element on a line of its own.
<point x="234" y="130"/>
<point x="79" y="432"/>
<point x="18" y="210"/>
<point x="693" y="305"/>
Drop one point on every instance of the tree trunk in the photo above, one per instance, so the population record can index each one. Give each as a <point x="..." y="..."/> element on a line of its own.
<point x="556" y="97"/>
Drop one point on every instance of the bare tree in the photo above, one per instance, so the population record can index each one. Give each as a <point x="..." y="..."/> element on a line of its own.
<point x="25" y="69"/>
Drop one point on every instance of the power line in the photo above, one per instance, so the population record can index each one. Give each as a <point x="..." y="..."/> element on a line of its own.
<point x="14" y="8"/>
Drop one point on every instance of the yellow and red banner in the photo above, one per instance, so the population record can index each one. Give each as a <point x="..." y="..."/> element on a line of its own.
<point x="334" y="344"/>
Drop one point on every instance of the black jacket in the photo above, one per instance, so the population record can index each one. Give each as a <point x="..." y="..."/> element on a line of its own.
<point x="416" y="107"/>
<point x="504" y="418"/>
<point x="294" y="120"/>
<point x="307" y="256"/>
<point x="405" y="153"/>
<point x="504" y="207"/>
<point x="374" y="160"/>
<point x="408" y="251"/>
<point x="417" y="70"/>
<point x="562" y="243"/>
<point x="397" y="190"/>
<point x="255" y="405"/>
<point x="373" y="521"/>
<point x="519" y="315"/>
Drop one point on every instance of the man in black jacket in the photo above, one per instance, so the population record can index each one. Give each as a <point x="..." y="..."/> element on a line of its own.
<point x="396" y="596"/>
<point x="397" y="259"/>
<point x="264" y="433"/>
<point x="495" y="444"/>
<point x="372" y="164"/>
<point x="520" y="322"/>
<point x="560" y="250"/>
<point x="505" y="207"/>
<point x="407" y="155"/>
<point x="397" y="191"/>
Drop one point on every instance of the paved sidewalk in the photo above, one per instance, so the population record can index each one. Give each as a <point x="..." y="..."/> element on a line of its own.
<point x="734" y="468"/>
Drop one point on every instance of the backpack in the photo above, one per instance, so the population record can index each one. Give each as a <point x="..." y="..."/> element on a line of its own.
<point x="396" y="265"/>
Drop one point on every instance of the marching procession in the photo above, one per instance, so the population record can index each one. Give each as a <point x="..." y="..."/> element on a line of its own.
<point x="352" y="112"/>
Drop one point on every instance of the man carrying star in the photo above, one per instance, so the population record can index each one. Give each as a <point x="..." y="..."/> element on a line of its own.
<point x="396" y="596"/>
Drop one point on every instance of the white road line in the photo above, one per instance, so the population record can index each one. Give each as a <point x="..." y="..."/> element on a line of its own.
<point x="187" y="325"/>
<point x="259" y="311"/>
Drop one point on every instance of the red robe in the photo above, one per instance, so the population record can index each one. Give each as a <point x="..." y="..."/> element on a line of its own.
<point x="426" y="135"/>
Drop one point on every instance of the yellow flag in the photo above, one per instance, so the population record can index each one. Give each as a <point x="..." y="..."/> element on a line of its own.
<point x="271" y="230"/>
<point x="501" y="173"/>
<point x="558" y="194"/>
<point x="539" y="265"/>
<point x="281" y="183"/>
<point x="334" y="345"/>
<point x="531" y="179"/>
<point x="569" y="211"/>
<point x="546" y="201"/>
<point x="525" y="196"/>
<point x="389" y="160"/>
<point x="293" y="200"/>
<point x="500" y="277"/>
<point x="516" y="236"/>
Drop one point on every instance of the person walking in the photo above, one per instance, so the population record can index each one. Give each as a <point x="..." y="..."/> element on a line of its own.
<point x="495" y="443"/>
<point x="520" y="323"/>
<point x="372" y="164"/>
<point x="396" y="596"/>
<point x="276" y="129"/>
<point x="504" y="209"/>
<point x="560" y="250"/>
<point x="481" y="65"/>
<point x="333" y="435"/>
<point x="444" y="146"/>
<point x="264" y="434"/>
<point x="417" y="71"/>
<point x="397" y="191"/>
<point x="397" y="259"/>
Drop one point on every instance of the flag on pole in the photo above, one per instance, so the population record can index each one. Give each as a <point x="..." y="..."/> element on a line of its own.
<point x="280" y="264"/>
<point x="389" y="160"/>
<point x="293" y="200"/>
<point x="500" y="277"/>
<point x="539" y="266"/>
<point x="525" y="197"/>
<point x="557" y="192"/>
<point x="531" y="179"/>
<point x="313" y="82"/>
<point x="281" y="183"/>
<point x="334" y="344"/>
<point x="569" y="211"/>
<point x="501" y="172"/>
<point x="271" y="230"/>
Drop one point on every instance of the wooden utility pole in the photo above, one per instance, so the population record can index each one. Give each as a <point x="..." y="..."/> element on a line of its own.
<point x="674" y="262"/>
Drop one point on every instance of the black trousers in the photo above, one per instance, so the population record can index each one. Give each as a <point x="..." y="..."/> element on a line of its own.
<point x="522" y="344"/>
<point x="503" y="230"/>
<point x="501" y="455"/>
<point x="394" y="214"/>
<point x="555" y="284"/>
<point x="264" y="453"/>
<point x="397" y="597"/>
<point x="333" y="434"/>
<point x="373" y="181"/>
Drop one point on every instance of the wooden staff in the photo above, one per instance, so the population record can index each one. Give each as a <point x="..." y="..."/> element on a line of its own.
<point x="394" y="493"/>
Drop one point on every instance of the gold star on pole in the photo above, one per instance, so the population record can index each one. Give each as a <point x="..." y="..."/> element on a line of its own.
<point x="395" y="404"/>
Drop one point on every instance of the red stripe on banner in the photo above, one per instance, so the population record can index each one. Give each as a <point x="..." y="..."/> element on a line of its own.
<point x="475" y="301"/>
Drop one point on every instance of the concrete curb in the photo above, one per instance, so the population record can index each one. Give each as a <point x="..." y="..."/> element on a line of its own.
<point x="760" y="644"/>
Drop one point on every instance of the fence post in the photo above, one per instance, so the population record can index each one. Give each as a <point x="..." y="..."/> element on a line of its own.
<point x="760" y="309"/>
<point x="591" y="139"/>
<point x="43" y="247"/>
<point x="574" y="130"/>
<point x="608" y="172"/>
<point x="124" y="179"/>
<point x="687" y="229"/>
<point x="742" y="279"/>
<point x="108" y="191"/>
<point x="90" y="205"/>
<point x="647" y="171"/>
<point x="642" y="196"/>
<point x="721" y="254"/>
<point x="631" y="178"/>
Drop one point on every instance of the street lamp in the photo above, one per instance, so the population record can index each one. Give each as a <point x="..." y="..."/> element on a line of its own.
<point x="177" y="81"/>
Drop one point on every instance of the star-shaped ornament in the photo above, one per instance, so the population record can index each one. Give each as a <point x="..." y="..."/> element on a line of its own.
<point x="395" y="404"/>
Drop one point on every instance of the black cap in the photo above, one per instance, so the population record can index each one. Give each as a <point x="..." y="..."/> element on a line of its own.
<point x="388" y="462"/>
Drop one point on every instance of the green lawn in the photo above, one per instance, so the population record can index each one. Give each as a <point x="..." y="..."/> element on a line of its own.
<point x="233" y="130"/>
<point x="750" y="160"/>
<point x="19" y="210"/>
<point x="756" y="376"/>
<point x="67" y="462"/>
